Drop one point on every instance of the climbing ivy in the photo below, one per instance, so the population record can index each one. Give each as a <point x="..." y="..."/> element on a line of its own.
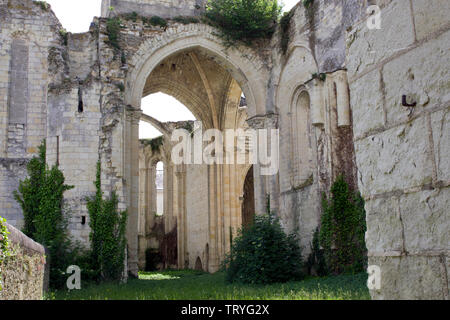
<point x="5" y="250"/>
<point x="343" y="226"/>
<point x="285" y="23"/>
<point x="107" y="235"/>
<point x="243" y="20"/>
<point x="155" y="143"/>
<point x="113" y="26"/>
<point x="41" y="199"/>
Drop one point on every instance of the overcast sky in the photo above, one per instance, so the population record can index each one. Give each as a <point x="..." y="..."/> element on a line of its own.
<point x="76" y="16"/>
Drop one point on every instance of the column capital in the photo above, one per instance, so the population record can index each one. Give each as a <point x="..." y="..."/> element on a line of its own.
<point x="133" y="114"/>
<point x="269" y="121"/>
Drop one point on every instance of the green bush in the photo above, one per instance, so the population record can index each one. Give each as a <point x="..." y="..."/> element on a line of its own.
<point x="343" y="226"/>
<point x="5" y="250"/>
<point x="158" y="21"/>
<point x="262" y="253"/>
<point x="113" y="26"/>
<point x="41" y="199"/>
<point x="186" y="20"/>
<point x="107" y="235"/>
<point x="243" y="20"/>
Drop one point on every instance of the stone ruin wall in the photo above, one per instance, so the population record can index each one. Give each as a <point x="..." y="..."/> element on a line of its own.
<point x="148" y="8"/>
<point x="403" y="153"/>
<point x="402" y="158"/>
<point x="25" y="273"/>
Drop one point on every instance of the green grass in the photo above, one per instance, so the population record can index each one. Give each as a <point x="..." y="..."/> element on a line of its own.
<point x="195" y="285"/>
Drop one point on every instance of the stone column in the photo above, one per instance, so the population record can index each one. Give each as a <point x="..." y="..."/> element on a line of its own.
<point x="343" y="99"/>
<point x="265" y="184"/>
<point x="132" y="145"/>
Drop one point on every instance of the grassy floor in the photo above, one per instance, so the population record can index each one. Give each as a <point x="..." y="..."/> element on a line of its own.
<point x="193" y="285"/>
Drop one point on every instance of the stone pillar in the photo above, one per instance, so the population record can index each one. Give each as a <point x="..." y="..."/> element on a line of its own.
<point x="132" y="179"/>
<point x="317" y="102"/>
<point x="265" y="184"/>
<point x="343" y="99"/>
<point x="180" y="174"/>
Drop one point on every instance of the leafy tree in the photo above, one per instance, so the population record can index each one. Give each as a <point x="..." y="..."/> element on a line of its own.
<point x="243" y="20"/>
<point x="107" y="236"/>
<point x="262" y="253"/>
<point x="41" y="199"/>
<point x="342" y="230"/>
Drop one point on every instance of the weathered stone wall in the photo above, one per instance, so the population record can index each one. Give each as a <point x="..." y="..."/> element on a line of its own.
<point x="164" y="8"/>
<point x="83" y="95"/>
<point x="23" y="272"/>
<point x="26" y="34"/>
<point x="314" y="115"/>
<point x="402" y="152"/>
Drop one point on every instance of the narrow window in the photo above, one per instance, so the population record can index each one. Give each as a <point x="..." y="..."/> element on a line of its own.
<point x="159" y="188"/>
<point x="80" y="100"/>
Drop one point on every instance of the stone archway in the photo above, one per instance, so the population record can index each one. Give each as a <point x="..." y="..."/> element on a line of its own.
<point x="247" y="74"/>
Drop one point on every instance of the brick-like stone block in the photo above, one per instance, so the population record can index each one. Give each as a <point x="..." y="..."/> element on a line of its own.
<point x="409" y="278"/>
<point x="384" y="227"/>
<point x="422" y="75"/>
<point x="430" y="16"/>
<point x="426" y="220"/>
<point x="440" y="124"/>
<point x="367" y="104"/>
<point x="366" y="47"/>
<point x="396" y="159"/>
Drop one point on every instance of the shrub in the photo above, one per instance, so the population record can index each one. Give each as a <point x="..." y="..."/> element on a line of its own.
<point x="158" y="21"/>
<point x="243" y="20"/>
<point x="107" y="235"/>
<point x="41" y="199"/>
<point x="113" y="26"/>
<point x="343" y="227"/>
<point x="186" y="20"/>
<point x="5" y="250"/>
<point x="262" y="253"/>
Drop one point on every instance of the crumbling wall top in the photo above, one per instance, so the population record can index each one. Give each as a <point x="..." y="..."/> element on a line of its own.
<point x="162" y="8"/>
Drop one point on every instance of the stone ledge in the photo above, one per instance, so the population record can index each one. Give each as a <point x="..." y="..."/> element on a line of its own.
<point x="27" y="244"/>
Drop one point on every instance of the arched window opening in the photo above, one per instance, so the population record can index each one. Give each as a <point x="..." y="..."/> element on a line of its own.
<point x="159" y="182"/>
<point x="301" y="143"/>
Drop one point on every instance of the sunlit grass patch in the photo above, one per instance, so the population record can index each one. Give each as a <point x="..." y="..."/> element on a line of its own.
<point x="197" y="285"/>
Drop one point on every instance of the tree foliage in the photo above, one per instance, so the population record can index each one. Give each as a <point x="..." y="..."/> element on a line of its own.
<point x="343" y="228"/>
<point x="41" y="199"/>
<point x="262" y="253"/>
<point x="243" y="20"/>
<point x="108" y="227"/>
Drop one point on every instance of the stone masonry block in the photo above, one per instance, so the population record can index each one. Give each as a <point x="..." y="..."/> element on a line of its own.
<point x="422" y="75"/>
<point x="430" y="16"/>
<point x="396" y="159"/>
<point x="367" y="47"/>
<point x="367" y="104"/>
<point x="409" y="278"/>
<point x="384" y="228"/>
<point x="440" y="124"/>
<point x="426" y="220"/>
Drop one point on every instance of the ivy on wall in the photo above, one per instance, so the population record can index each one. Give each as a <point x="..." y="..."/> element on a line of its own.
<point x="243" y="20"/>
<point x="41" y="199"/>
<point x="342" y="231"/>
<point x="108" y="226"/>
<point x="4" y="246"/>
